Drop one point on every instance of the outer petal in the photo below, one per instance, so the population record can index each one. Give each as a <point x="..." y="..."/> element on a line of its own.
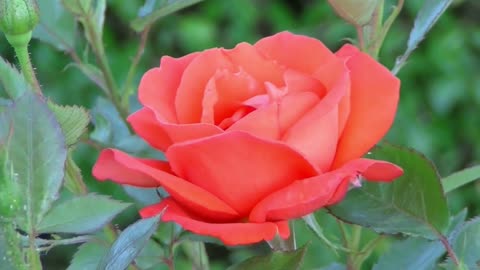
<point x="298" y="199"/>
<point x="305" y="196"/>
<point x="188" y="102"/>
<point x="107" y="167"/>
<point x="373" y="103"/>
<point x="229" y="233"/>
<point x="120" y="167"/>
<point x="372" y="170"/>
<point x="238" y="168"/>
<point x="146" y="125"/>
<point x="161" y="135"/>
<point x="158" y="86"/>
<point x="297" y="52"/>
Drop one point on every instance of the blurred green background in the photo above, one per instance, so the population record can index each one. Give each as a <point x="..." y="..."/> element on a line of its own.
<point x="439" y="112"/>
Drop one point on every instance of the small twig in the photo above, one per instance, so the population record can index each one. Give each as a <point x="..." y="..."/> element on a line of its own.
<point x="93" y="144"/>
<point x="49" y="244"/>
<point x="101" y="59"/>
<point x="388" y="23"/>
<point x="367" y="250"/>
<point x="127" y="91"/>
<point x="361" y="38"/>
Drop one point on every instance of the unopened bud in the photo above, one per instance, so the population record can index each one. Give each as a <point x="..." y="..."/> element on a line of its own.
<point x="355" y="12"/>
<point x="18" y="16"/>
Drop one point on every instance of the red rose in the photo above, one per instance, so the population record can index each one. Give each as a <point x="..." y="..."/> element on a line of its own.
<point x="258" y="134"/>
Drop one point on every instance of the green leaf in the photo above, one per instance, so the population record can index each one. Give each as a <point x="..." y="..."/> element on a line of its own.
<point x="37" y="153"/>
<point x="88" y="256"/>
<point x="413" y="204"/>
<point x="418" y="253"/>
<point x="73" y="177"/>
<point x="467" y="245"/>
<point x="274" y="261"/>
<point x="12" y="81"/>
<point x="56" y="27"/>
<point x="10" y="190"/>
<point x="426" y="18"/>
<point x="157" y="9"/>
<point x="73" y="120"/>
<point x="460" y="178"/>
<point x="129" y="244"/>
<point x="81" y="215"/>
<point x="10" y="248"/>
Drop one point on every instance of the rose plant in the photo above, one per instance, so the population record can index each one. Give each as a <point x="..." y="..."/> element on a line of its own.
<point x="257" y="135"/>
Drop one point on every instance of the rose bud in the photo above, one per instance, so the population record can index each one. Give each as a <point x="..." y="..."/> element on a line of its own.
<point x="355" y="12"/>
<point x="18" y="18"/>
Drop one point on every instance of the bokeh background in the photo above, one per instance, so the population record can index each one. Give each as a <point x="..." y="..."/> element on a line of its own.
<point x="439" y="112"/>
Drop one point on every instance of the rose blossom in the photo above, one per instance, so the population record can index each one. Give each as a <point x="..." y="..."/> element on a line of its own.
<point x="257" y="135"/>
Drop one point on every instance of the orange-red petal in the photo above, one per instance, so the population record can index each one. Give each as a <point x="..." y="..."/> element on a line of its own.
<point x="146" y="125"/>
<point x="272" y="120"/>
<point x="107" y="167"/>
<point x="161" y="135"/>
<point x="308" y="195"/>
<point x="316" y="133"/>
<point x="373" y="103"/>
<point x="235" y="233"/>
<point x="158" y="87"/>
<point x="122" y="168"/>
<point x="298" y="199"/>
<point x="301" y="53"/>
<point x="237" y="167"/>
<point x="225" y="93"/>
<point x="249" y="59"/>
<point x="188" y="101"/>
